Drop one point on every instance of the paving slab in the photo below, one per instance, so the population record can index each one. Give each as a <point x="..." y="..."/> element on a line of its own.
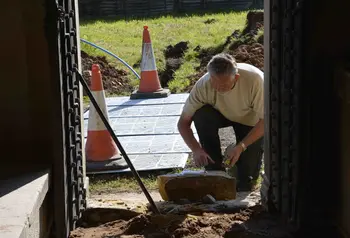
<point x="153" y="125"/>
<point x="172" y="99"/>
<point x="153" y="144"/>
<point x="142" y="110"/>
<point x="151" y="162"/>
<point x="147" y="130"/>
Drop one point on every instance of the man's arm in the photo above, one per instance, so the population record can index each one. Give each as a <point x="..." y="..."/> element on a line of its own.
<point x="258" y="107"/>
<point x="184" y="127"/>
<point x="256" y="133"/>
<point x="195" y="100"/>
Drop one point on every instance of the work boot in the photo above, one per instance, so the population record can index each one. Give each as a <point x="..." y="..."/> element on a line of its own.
<point x="247" y="185"/>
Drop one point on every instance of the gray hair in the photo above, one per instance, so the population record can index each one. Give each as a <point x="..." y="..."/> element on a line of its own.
<point x="222" y="64"/>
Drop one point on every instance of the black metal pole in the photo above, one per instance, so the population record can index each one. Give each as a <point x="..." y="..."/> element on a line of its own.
<point x="111" y="132"/>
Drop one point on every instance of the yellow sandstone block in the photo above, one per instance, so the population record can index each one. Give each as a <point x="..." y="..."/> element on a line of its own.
<point x="194" y="185"/>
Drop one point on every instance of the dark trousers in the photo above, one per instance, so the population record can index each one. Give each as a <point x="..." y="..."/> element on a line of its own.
<point x="207" y="121"/>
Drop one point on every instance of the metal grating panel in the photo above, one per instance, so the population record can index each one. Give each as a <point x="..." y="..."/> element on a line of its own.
<point x="148" y="162"/>
<point x="142" y="111"/>
<point x="154" y="144"/>
<point x="147" y="129"/>
<point x="126" y="126"/>
<point x="285" y="71"/>
<point x="125" y="101"/>
<point x="73" y="168"/>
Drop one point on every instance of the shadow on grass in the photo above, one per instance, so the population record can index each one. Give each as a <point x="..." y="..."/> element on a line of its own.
<point x="93" y="19"/>
<point x="126" y="182"/>
<point x="129" y="175"/>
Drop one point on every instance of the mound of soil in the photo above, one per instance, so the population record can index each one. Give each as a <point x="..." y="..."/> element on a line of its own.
<point x="245" y="46"/>
<point x="255" y="20"/>
<point x="115" y="81"/>
<point x="251" y="54"/>
<point x="173" y="226"/>
<point x="244" y="53"/>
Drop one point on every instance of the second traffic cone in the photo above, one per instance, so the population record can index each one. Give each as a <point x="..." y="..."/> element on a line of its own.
<point x="149" y="83"/>
<point x="100" y="149"/>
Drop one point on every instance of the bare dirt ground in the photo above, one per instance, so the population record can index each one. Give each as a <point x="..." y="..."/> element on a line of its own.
<point x="115" y="81"/>
<point x="124" y="200"/>
<point x="251" y="222"/>
<point x="145" y="225"/>
<point x="138" y="202"/>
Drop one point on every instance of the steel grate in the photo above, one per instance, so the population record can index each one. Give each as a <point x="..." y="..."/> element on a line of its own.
<point x="285" y="67"/>
<point x="67" y="29"/>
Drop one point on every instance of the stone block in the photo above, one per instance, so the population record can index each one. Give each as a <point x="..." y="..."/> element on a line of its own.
<point x="194" y="185"/>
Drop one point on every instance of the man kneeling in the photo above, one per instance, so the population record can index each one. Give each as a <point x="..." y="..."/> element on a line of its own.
<point x="229" y="94"/>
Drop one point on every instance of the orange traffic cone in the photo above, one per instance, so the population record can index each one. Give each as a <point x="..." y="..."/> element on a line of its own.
<point x="149" y="83"/>
<point x="101" y="151"/>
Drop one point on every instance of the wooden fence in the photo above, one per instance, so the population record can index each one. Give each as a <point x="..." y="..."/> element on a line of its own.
<point x="147" y="8"/>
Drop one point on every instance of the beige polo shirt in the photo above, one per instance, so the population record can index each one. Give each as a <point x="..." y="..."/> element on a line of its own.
<point x="243" y="104"/>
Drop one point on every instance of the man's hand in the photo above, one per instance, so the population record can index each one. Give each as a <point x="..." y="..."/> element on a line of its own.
<point x="232" y="154"/>
<point x="201" y="158"/>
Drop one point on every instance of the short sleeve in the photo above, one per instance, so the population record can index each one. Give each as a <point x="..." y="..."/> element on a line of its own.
<point x="196" y="98"/>
<point x="258" y="97"/>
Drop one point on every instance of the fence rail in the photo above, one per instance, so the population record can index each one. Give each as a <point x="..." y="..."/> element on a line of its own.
<point x="146" y="8"/>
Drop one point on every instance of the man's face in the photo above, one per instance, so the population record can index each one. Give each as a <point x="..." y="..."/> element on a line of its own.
<point x="223" y="83"/>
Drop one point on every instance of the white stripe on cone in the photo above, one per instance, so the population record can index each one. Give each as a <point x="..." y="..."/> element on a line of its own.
<point x="148" y="62"/>
<point x="95" y="123"/>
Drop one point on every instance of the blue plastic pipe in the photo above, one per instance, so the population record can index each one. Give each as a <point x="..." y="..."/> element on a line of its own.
<point x="113" y="55"/>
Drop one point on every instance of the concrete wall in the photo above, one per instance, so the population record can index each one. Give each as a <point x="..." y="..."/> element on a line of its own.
<point x="345" y="212"/>
<point x="25" y="211"/>
<point x="24" y="68"/>
<point x="26" y="136"/>
<point x="31" y="116"/>
<point x="331" y="41"/>
<point x="327" y="46"/>
<point x="342" y="77"/>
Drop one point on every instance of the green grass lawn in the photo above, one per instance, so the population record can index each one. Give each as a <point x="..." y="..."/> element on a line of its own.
<point x="124" y="38"/>
<point x="127" y="183"/>
<point x="121" y="184"/>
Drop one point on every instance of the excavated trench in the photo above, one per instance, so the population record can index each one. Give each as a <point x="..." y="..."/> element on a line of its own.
<point x="174" y="59"/>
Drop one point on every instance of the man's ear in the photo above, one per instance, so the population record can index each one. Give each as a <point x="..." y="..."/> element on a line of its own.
<point x="237" y="76"/>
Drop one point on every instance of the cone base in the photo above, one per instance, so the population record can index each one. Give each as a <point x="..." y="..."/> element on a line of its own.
<point x="161" y="93"/>
<point x="112" y="164"/>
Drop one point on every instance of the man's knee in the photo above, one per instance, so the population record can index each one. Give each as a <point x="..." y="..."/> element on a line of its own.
<point x="203" y="113"/>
